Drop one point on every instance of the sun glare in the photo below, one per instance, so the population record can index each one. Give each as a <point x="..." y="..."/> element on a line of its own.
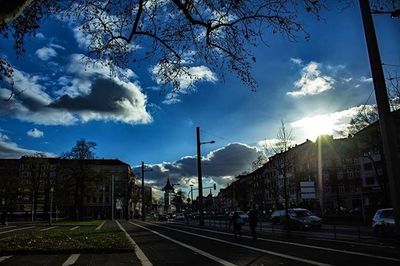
<point x="316" y="126"/>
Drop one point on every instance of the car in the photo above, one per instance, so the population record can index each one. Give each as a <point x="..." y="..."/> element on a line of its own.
<point x="242" y="215"/>
<point x="179" y="217"/>
<point x="383" y="221"/>
<point x="299" y="218"/>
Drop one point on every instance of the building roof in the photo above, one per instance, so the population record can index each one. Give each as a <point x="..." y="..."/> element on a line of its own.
<point x="168" y="187"/>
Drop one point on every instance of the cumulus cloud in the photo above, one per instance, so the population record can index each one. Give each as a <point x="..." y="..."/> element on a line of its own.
<point x="222" y="165"/>
<point x="88" y="92"/>
<point x="35" y="133"/>
<point x="365" y="79"/>
<point x="45" y="53"/>
<point x="312" y="81"/>
<point x="9" y="149"/>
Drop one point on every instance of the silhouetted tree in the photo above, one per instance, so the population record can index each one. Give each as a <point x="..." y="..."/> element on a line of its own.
<point x="80" y="172"/>
<point x="179" y="199"/>
<point x="174" y="34"/>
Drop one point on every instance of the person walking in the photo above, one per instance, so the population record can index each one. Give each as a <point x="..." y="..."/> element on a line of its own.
<point x="237" y="222"/>
<point x="253" y="220"/>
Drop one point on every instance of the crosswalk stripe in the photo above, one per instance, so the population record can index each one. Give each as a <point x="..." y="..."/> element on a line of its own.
<point x="71" y="259"/>
<point x="100" y="226"/>
<point x="3" y="258"/>
<point x="48" y="228"/>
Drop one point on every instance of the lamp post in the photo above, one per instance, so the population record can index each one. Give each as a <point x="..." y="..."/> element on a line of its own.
<point x="51" y="204"/>
<point x="143" y="194"/>
<point x="199" y="175"/>
<point x="191" y="195"/>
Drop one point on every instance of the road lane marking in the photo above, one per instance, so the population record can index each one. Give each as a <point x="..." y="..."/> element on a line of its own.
<point x="199" y="251"/>
<point x="138" y="251"/>
<point x="48" y="228"/>
<point x="18" y="229"/>
<point x="100" y="226"/>
<point x="351" y="242"/>
<point x="74" y="228"/>
<point x="8" y="226"/>
<point x="71" y="259"/>
<point x="3" y="258"/>
<point x="307" y="246"/>
<point x="285" y="256"/>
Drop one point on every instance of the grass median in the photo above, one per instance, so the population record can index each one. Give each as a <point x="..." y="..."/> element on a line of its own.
<point x="64" y="240"/>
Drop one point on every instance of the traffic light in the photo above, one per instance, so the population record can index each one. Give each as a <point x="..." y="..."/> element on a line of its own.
<point x="215" y="186"/>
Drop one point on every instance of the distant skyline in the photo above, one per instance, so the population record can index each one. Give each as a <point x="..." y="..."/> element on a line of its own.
<point x="314" y="86"/>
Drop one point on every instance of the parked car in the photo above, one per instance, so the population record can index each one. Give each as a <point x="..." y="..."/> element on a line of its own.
<point x="299" y="218"/>
<point x="383" y="221"/>
<point x="242" y="215"/>
<point x="179" y="217"/>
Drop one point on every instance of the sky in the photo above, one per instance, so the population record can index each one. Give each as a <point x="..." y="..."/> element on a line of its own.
<point x="315" y="86"/>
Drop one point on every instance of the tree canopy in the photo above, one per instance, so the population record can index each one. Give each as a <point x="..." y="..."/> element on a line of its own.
<point x="176" y="35"/>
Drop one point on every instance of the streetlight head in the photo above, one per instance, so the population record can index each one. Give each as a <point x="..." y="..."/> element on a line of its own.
<point x="213" y="141"/>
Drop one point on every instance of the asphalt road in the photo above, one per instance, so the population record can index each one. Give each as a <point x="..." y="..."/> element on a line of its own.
<point x="177" y="244"/>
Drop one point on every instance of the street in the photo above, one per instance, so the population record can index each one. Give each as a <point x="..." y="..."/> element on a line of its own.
<point x="177" y="244"/>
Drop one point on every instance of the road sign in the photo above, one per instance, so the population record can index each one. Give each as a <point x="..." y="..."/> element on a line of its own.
<point x="307" y="190"/>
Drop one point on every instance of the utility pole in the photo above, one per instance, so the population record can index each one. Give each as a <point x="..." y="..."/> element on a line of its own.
<point x="199" y="179"/>
<point x="143" y="205"/>
<point x="387" y="127"/>
<point x="112" y="197"/>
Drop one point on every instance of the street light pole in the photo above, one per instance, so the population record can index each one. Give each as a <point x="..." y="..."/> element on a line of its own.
<point x="112" y="197"/>
<point x="51" y="205"/>
<point x="143" y="205"/>
<point x="199" y="179"/>
<point x="199" y="176"/>
<point x="387" y="127"/>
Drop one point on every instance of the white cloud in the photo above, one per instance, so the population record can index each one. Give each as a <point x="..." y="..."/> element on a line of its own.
<point x="45" y="53"/>
<point x="57" y="46"/>
<point x="312" y="81"/>
<point x="35" y="133"/>
<point x="365" y="79"/>
<point x="40" y="36"/>
<point x="185" y="80"/>
<point x="9" y="149"/>
<point x="222" y="165"/>
<point x="89" y="93"/>
<point x="296" y="61"/>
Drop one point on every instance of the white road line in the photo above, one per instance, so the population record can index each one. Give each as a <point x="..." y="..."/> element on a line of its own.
<point x="351" y="242"/>
<point x="71" y="259"/>
<point x="18" y="229"/>
<point x="3" y="258"/>
<point x="48" y="228"/>
<point x="7" y="226"/>
<point x="100" y="226"/>
<point x="248" y="247"/>
<point x="74" y="228"/>
<point x="199" y="251"/>
<point x="138" y="252"/>
<point x="309" y="246"/>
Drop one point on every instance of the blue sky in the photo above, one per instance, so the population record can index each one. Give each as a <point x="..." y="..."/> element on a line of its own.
<point x="314" y="86"/>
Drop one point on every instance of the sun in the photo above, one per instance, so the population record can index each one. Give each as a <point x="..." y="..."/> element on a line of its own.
<point x="316" y="126"/>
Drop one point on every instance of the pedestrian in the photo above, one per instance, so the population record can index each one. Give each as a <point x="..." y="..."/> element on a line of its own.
<point x="237" y="222"/>
<point x="253" y="220"/>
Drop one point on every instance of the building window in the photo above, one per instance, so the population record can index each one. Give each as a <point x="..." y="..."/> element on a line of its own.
<point x="107" y="199"/>
<point x="88" y="199"/>
<point x="94" y="199"/>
